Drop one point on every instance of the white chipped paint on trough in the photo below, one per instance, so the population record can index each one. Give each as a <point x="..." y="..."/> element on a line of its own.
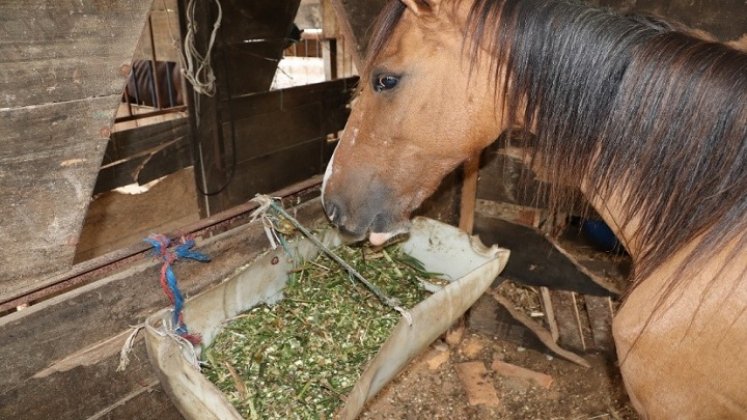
<point x="470" y="266"/>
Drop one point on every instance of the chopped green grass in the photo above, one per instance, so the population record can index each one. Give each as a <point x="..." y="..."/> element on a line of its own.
<point x="301" y="357"/>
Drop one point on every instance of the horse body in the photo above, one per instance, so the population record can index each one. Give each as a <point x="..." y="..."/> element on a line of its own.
<point x="647" y="121"/>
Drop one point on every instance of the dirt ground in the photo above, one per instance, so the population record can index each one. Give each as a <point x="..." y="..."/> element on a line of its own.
<point x="433" y="388"/>
<point x="457" y="380"/>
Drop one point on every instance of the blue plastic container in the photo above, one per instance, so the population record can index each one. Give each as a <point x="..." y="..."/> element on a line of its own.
<point x="601" y="235"/>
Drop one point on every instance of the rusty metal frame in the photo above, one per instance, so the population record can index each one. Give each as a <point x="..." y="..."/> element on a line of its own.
<point x="100" y="267"/>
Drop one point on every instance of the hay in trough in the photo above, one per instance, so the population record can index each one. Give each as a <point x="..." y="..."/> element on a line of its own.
<point x="301" y="357"/>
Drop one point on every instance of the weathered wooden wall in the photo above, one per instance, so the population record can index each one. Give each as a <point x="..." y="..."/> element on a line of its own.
<point x="63" y="69"/>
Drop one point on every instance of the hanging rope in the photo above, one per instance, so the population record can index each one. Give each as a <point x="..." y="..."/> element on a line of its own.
<point x="168" y="279"/>
<point x="198" y="68"/>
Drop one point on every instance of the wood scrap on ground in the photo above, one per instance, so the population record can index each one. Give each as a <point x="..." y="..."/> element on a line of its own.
<point x="474" y="377"/>
<point x="514" y="371"/>
<point x="539" y="331"/>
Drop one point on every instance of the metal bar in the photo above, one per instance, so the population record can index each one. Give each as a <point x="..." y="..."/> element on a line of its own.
<point x="127" y="95"/>
<point x="170" y="85"/>
<point x="153" y="63"/>
<point x="94" y="269"/>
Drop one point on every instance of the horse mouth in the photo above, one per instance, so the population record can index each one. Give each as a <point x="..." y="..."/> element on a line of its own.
<point x="376" y="235"/>
<point x="379" y="239"/>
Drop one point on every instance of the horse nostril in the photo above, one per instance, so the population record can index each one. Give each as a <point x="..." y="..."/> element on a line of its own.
<point x="333" y="211"/>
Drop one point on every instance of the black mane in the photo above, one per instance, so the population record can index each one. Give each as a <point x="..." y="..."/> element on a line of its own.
<point x="632" y="104"/>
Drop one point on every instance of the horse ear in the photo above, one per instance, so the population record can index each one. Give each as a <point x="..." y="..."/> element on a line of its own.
<point x="422" y="7"/>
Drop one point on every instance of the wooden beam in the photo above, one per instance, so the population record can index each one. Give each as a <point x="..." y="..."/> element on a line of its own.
<point x="49" y="163"/>
<point x="247" y="48"/>
<point x="354" y="19"/>
<point x="471" y="170"/>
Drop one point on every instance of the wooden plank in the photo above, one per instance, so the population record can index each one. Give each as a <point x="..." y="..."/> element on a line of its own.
<point x="82" y="389"/>
<point x="165" y="35"/>
<point x="600" y="315"/>
<point x="165" y="207"/>
<point x="271" y="132"/>
<point x="163" y="5"/>
<point x="149" y="403"/>
<point x="275" y="131"/>
<point x="128" y="143"/>
<point x="471" y="170"/>
<point x="48" y="164"/>
<point x="90" y="387"/>
<point x="166" y="161"/>
<point x="570" y="333"/>
<point x="60" y="51"/>
<point x="331" y="93"/>
<point x="527" y="216"/>
<point x="35" y="338"/>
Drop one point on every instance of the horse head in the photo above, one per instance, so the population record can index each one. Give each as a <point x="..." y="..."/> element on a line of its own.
<point x="402" y="137"/>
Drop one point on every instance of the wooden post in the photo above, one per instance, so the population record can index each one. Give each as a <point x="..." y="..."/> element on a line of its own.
<point x="330" y="31"/>
<point x="471" y="170"/>
<point x="354" y="19"/>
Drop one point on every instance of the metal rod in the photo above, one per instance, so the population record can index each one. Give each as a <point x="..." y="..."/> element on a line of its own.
<point x="127" y="94"/>
<point x="153" y="63"/>
<point x="391" y="302"/>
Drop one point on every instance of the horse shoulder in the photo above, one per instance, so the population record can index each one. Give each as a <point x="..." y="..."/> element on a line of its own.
<point x="689" y="355"/>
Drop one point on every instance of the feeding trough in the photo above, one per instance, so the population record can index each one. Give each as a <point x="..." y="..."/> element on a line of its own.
<point x="469" y="266"/>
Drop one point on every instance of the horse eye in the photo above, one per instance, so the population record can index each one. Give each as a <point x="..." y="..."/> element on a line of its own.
<point x="385" y="82"/>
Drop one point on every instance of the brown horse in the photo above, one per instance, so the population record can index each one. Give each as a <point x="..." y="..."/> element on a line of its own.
<point x="649" y="122"/>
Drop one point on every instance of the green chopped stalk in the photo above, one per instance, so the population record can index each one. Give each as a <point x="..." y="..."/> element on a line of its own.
<point x="300" y="357"/>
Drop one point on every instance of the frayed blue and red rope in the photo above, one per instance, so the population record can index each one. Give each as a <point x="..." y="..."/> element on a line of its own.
<point x="169" y="256"/>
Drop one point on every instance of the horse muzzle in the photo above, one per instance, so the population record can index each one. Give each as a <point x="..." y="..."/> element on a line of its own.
<point x="360" y="217"/>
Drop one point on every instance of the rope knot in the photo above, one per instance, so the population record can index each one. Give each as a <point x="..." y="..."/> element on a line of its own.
<point x="169" y="255"/>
